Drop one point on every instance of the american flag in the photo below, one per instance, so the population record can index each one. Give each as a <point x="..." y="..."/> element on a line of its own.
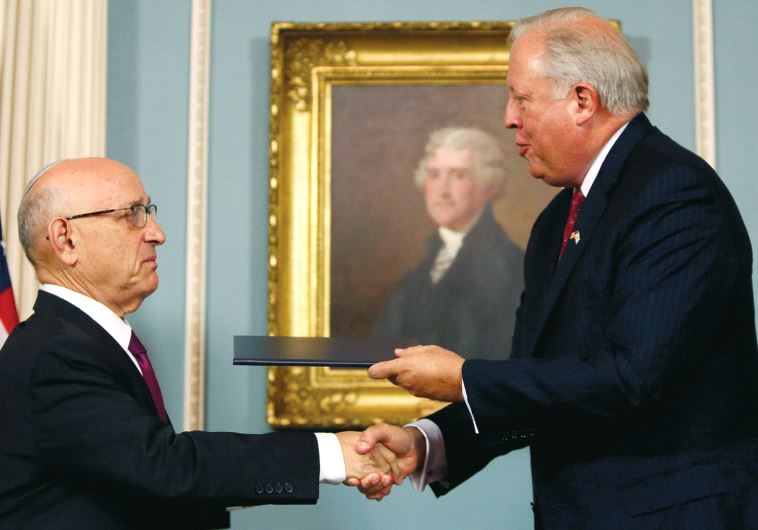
<point x="8" y="313"/>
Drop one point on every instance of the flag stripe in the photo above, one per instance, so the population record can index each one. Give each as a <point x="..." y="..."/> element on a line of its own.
<point x="8" y="313"/>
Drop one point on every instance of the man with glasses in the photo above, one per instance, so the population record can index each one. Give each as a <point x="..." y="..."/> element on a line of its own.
<point x="85" y="440"/>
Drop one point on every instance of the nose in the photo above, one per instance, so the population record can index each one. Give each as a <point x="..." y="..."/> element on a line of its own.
<point x="443" y="185"/>
<point x="153" y="232"/>
<point x="511" y="118"/>
<point x="440" y="185"/>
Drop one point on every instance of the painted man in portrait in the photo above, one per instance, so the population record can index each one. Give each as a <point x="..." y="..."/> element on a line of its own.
<point x="464" y="293"/>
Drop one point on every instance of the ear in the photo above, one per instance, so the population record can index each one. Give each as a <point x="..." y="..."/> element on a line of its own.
<point x="63" y="240"/>
<point x="586" y="102"/>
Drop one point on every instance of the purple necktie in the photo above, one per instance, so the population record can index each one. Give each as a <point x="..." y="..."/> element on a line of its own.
<point x="140" y="353"/>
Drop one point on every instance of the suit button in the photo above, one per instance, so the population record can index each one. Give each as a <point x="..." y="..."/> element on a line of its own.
<point x="269" y="488"/>
<point x="288" y="487"/>
<point x="278" y="487"/>
<point x="259" y="488"/>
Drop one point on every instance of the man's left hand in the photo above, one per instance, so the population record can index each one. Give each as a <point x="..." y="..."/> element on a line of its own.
<point x="424" y="371"/>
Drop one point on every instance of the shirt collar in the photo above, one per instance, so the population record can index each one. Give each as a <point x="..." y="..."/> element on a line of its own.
<point x="591" y="175"/>
<point x="454" y="238"/>
<point x="114" y="325"/>
<point x="451" y="238"/>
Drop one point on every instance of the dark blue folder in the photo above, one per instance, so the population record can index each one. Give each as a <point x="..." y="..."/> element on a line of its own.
<point x="337" y="352"/>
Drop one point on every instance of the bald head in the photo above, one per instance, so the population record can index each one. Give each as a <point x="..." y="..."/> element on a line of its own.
<point x="64" y="188"/>
<point x="88" y="225"/>
<point x="578" y="46"/>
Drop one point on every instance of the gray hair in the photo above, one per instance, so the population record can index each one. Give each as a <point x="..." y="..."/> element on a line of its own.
<point x="576" y="52"/>
<point x="36" y="209"/>
<point x="489" y="161"/>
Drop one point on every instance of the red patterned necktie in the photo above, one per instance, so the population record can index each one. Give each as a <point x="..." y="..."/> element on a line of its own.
<point x="577" y="199"/>
<point x="140" y="354"/>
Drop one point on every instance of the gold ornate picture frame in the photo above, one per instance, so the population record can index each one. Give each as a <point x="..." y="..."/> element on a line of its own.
<point x="351" y="108"/>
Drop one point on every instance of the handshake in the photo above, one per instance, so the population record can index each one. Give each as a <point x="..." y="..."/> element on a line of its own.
<point x="380" y="457"/>
<point x="383" y="455"/>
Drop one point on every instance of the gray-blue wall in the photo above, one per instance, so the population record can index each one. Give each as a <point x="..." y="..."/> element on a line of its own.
<point x="148" y="79"/>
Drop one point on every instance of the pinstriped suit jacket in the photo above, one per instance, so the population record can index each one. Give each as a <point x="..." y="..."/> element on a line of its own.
<point x="634" y="369"/>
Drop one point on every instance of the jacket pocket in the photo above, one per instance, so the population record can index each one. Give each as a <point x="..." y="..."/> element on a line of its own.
<point x="677" y="486"/>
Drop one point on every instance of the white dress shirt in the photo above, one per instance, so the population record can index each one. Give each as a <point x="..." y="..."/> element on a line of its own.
<point x="452" y="242"/>
<point x="332" y="465"/>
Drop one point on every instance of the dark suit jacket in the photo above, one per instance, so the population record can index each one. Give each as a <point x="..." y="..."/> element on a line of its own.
<point x="81" y="444"/>
<point x="471" y="309"/>
<point x="634" y="375"/>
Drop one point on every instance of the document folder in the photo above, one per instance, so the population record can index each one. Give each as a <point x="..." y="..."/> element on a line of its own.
<point x="337" y="352"/>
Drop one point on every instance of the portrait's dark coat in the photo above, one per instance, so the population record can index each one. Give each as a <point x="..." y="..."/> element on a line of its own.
<point x="471" y="309"/>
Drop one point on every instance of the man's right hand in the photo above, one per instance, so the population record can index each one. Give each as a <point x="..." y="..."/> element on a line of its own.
<point x="409" y="447"/>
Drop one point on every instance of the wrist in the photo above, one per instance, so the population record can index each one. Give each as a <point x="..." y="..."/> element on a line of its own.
<point x="419" y="444"/>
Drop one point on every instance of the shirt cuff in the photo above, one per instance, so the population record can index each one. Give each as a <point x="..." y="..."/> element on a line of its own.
<point x="332" y="464"/>
<point x="471" y="413"/>
<point x="435" y="463"/>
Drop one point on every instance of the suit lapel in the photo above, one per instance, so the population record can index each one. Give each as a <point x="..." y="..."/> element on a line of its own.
<point x="540" y="264"/>
<point x="552" y="243"/>
<point x="589" y="219"/>
<point x="114" y="358"/>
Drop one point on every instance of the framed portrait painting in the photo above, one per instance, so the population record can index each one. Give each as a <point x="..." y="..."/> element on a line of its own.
<point x="353" y="107"/>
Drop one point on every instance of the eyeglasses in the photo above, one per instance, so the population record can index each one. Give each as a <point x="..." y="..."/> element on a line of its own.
<point x="137" y="214"/>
